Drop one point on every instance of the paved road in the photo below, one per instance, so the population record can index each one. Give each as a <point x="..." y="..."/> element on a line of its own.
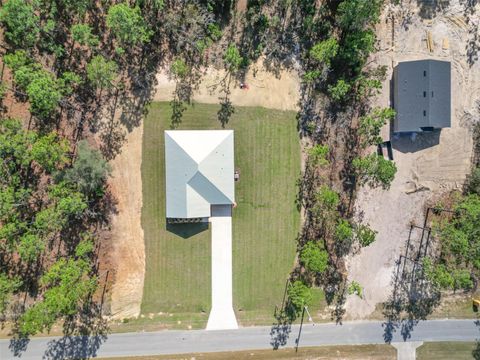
<point x="175" y="342"/>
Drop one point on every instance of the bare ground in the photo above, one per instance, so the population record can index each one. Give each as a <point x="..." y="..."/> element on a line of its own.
<point x="428" y="164"/>
<point x="265" y="89"/>
<point x="127" y="234"/>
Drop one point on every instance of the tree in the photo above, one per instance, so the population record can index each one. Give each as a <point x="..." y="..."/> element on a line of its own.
<point x="299" y="295"/>
<point x="101" y="72"/>
<point x="44" y="94"/>
<point x="21" y="23"/>
<point x="82" y="34"/>
<point x="371" y="125"/>
<point x="324" y="51"/>
<point x="355" y="50"/>
<point x="7" y="287"/>
<point x="43" y="89"/>
<point x="89" y="171"/>
<point x="340" y="90"/>
<point x="128" y="25"/>
<point x="314" y="258"/>
<point x="374" y="170"/>
<point x="355" y="15"/>
<point x="76" y="7"/>
<point x="67" y="285"/>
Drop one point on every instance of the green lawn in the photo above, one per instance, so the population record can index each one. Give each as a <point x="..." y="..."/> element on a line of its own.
<point x="350" y="352"/>
<point x="265" y="222"/>
<point x="448" y="350"/>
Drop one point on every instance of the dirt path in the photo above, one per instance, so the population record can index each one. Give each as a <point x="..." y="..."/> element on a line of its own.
<point x="127" y="233"/>
<point x="428" y="164"/>
<point x="265" y="89"/>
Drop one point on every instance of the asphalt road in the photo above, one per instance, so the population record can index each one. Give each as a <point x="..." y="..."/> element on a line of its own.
<point x="176" y="342"/>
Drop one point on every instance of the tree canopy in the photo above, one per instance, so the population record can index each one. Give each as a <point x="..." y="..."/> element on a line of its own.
<point x="128" y="25"/>
<point x="21" y="23"/>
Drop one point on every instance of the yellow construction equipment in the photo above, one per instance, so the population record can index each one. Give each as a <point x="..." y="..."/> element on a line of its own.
<point x="475" y="304"/>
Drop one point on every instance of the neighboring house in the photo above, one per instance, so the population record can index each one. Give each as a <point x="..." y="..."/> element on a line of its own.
<point x="199" y="173"/>
<point x="422" y="95"/>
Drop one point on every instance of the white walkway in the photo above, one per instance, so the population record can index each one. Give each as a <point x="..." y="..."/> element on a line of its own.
<point x="221" y="316"/>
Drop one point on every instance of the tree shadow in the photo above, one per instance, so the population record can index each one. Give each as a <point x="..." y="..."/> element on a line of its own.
<point x="284" y="317"/>
<point x="428" y="9"/>
<point x="476" y="351"/>
<point x="84" y="333"/>
<point x="413" y="297"/>
<point x="187" y="230"/>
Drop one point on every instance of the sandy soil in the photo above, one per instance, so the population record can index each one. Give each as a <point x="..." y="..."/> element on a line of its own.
<point x="127" y="233"/>
<point x="427" y="164"/>
<point x="265" y="89"/>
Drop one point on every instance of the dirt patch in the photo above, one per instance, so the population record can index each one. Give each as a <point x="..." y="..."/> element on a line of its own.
<point x="265" y="89"/>
<point x="428" y="164"/>
<point x="127" y="233"/>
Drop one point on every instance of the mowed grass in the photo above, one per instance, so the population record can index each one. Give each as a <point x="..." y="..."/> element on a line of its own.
<point x="351" y="352"/>
<point x="448" y="350"/>
<point x="265" y="222"/>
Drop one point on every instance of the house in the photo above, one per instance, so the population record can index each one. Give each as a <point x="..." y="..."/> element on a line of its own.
<point x="199" y="173"/>
<point x="422" y="95"/>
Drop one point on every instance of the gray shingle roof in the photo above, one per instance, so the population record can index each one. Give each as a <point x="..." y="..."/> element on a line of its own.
<point x="199" y="170"/>
<point x="422" y="95"/>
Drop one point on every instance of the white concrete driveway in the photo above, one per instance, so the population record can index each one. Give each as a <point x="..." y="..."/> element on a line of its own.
<point x="221" y="316"/>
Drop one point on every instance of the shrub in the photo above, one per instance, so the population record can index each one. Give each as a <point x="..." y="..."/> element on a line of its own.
<point x="314" y="258"/>
<point x="365" y="235"/>
<point x="340" y="90"/>
<point x="327" y="199"/>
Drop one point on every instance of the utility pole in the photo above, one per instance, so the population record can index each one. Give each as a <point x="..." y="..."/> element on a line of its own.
<point x="305" y="309"/>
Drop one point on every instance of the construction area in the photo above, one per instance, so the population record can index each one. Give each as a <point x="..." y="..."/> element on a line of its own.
<point x="429" y="164"/>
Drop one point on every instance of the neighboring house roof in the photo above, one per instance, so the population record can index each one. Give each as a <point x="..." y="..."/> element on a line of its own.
<point x="422" y="95"/>
<point x="199" y="170"/>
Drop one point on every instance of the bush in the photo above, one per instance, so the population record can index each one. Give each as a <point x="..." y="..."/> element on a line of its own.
<point x="327" y="199"/>
<point x="343" y="231"/>
<point x="365" y="235"/>
<point x="179" y="68"/>
<point x="473" y="185"/>
<point x="324" y="51"/>
<point x="318" y="154"/>
<point x="314" y="258"/>
<point x="355" y="288"/>
<point x="232" y="58"/>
